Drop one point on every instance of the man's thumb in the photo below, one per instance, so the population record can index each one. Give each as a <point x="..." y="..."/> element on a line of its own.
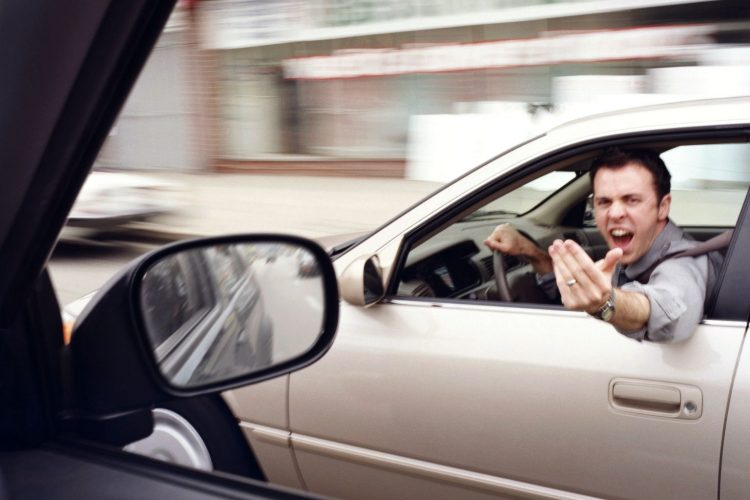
<point x="611" y="259"/>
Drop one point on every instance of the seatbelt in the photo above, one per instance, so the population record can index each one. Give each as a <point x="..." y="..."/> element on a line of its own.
<point x="718" y="242"/>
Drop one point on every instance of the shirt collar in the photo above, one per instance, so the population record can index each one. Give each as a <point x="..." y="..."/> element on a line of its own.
<point x="656" y="252"/>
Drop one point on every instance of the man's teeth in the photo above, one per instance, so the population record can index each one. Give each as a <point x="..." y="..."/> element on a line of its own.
<point x="619" y="233"/>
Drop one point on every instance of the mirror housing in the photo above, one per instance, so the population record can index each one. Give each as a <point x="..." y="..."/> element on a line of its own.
<point x="362" y="282"/>
<point x="112" y="346"/>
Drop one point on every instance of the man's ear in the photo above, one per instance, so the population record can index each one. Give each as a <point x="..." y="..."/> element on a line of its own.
<point x="664" y="205"/>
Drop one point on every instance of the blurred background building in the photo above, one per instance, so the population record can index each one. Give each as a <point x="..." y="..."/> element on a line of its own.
<point x="423" y="89"/>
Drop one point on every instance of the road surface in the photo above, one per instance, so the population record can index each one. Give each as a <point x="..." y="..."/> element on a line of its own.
<point x="80" y="267"/>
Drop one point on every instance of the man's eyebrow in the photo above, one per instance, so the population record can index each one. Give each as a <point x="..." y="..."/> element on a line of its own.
<point x="626" y="195"/>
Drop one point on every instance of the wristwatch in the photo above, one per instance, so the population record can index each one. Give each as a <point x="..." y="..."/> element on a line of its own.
<point x="607" y="311"/>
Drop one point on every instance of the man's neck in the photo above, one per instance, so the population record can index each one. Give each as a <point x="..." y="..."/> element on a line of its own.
<point x="661" y="226"/>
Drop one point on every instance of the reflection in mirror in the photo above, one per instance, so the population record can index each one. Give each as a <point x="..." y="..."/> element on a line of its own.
<point x="224" y="311"/>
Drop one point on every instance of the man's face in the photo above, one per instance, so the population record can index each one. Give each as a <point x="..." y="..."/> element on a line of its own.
<point x="627" y="210"/>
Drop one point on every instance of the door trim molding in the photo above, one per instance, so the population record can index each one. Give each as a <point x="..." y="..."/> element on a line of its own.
<point x="402" y="465"/>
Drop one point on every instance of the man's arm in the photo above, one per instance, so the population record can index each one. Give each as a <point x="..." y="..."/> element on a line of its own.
<point x="506" y="239"/>
<point x="676" y="292"/>
<point x="667" y="309"/>
<point x="632" y="311"/>
<point x="586" y="285"/>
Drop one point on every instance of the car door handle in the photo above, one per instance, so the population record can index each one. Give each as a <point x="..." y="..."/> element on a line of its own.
<point x="656" y="398"/>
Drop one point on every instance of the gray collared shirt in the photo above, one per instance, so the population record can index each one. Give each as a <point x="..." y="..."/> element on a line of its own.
<point x="676" y="288"/>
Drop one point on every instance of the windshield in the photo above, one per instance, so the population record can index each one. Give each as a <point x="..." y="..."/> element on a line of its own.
<point x="524" y="198"/>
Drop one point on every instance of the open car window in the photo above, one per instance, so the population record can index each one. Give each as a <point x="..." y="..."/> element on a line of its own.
<point x="709" y="184"/>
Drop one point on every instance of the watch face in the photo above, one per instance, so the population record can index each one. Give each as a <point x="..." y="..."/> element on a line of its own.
<point x="608" y="312"/>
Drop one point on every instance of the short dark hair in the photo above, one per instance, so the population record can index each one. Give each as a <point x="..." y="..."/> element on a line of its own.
<point x="616" y="158"/>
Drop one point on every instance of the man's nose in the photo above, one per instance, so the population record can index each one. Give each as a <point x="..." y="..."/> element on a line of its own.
<point x="617" y="210"/>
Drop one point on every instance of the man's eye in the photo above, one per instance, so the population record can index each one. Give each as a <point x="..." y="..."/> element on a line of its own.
<point x="633" y="201"/>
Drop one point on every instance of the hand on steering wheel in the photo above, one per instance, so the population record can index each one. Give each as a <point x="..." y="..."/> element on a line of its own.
<point x="507" y="240"/>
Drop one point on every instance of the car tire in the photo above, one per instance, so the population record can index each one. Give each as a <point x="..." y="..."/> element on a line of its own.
<point x="201" y="433"/>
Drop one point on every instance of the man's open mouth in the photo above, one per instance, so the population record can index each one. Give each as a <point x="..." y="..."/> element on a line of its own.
<point x="621" y="237"/>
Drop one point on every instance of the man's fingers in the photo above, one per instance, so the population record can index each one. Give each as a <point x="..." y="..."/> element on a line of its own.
<point x="571" y="280"/>
<point x="506" y="239"/>
<point x="580" y="264"/>
<point x="498" y="246"/>
<point x="491" y="244"/>
<point x="497" y="240"/>
<point x="582" y="284"/>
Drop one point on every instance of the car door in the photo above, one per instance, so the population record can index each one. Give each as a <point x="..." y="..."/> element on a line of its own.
<point x="444" y="398"/>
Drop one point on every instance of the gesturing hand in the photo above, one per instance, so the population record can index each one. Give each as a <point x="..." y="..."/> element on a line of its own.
<point x="584" y="285"/>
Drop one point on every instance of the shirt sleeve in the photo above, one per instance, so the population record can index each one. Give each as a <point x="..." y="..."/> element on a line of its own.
<point x="676" y="292"/>
<point x="548" y="285"/>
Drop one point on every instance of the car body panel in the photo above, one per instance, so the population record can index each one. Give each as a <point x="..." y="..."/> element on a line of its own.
<point x="515" y="396"/>
<point x="279" y="459"/>
<point x="265" y="403"/>
<point x="735" y="481"/>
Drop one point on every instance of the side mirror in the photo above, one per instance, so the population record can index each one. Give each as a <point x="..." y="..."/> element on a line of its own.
<point x="203" y="316"/>
<point x="362" y="282"/>
<point x="218" y="312"/>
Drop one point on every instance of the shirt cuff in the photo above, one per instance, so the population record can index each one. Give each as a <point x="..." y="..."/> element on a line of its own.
<point x="548" y="285"/>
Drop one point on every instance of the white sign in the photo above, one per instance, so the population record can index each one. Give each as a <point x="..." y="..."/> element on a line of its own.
<point x="605" y="45"/>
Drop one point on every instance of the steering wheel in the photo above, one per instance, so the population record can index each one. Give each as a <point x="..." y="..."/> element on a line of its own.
<point x="501" y="276"/>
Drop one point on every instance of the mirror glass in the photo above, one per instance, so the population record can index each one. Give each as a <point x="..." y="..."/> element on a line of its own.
<point x="222" y="311"/>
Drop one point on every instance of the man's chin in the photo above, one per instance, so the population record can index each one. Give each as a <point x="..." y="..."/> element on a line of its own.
<point x="626" y="260"/>
<point x="629" y="257"/>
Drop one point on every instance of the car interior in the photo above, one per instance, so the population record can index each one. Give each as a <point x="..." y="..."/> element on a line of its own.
<point x="450" y="260"/>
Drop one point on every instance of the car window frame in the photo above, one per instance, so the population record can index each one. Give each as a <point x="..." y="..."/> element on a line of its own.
<point x="725" y="302"/>
<point x="56" y="119"/>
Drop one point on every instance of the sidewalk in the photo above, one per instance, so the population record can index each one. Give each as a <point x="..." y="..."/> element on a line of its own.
<point x="226" y="203"/>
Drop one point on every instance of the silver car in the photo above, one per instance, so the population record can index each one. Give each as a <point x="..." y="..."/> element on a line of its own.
<point x="114" y="200"/>
<point x="442" y="385"/>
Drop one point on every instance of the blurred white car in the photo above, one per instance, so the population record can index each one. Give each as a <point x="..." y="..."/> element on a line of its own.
<point x="112" y="200"/>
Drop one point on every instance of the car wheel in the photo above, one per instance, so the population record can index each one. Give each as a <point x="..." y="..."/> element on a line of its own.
<point x="200" y="433"/>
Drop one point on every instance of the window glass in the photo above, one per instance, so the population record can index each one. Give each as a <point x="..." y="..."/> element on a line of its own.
<point x="530" y="194"/>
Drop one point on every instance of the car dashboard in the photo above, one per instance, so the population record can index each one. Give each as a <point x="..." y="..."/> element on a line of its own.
<point x="456" y="264"/>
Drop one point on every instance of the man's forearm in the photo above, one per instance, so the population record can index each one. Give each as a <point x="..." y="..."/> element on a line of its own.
<point x="632" y="310"/>
<point x="539" y="260"/>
